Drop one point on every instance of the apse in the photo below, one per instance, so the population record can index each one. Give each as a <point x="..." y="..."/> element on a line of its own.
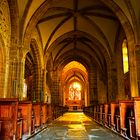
<point x="75" y="84"/>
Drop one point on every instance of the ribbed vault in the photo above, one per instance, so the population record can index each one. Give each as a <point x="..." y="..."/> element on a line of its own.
<point x="82" y="31"/>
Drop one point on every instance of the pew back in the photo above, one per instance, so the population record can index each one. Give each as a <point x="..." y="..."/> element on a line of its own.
<point x="8" y="118"/>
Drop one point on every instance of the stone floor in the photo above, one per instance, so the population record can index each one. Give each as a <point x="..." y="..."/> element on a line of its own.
<point x="75" y="126"/>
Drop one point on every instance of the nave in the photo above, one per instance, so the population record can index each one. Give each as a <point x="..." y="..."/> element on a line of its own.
<point x="75" y="126"/>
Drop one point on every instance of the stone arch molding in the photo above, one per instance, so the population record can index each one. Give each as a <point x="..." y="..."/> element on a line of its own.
<point x="3" y="70"/>
<point x="5" y="24"/>
<point x="5" y="35"/>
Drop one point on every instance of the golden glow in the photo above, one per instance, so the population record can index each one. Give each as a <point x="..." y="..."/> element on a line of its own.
<point x="77" y="86"/>
<point x="75" y="91"/>
<point x="74" y="64"/>
<point x="125" y="56"/>
<point x="79" y="118"/>
<point x="75" y="117"/>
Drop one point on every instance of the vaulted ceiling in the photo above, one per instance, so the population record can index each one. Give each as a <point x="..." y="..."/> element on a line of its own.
<point x="86" y="27"/>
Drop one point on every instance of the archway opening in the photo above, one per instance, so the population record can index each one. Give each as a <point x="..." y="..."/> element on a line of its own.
<point x="75" y="85"/>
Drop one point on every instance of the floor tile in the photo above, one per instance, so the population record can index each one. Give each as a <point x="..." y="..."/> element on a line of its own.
<point x="75" y="126"/>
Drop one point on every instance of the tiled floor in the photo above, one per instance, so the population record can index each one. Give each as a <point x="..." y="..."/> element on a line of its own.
<point x="75" y="126"/>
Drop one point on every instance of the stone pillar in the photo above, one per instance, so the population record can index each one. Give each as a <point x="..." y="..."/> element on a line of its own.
<point x="114" y="80"/>
<point x="6" y="75"/>
<point x="12" y="80"/>
<point x="101" y="88"/>
<point x="109" y="84"/>
<point x="61" y="93"/>
<point x="47" y="95"/>
<point x="16" y="77"/>
<point x="138" y="66"/>
<point x="132" y="70"/>
<point x="93" y="86"/>
<point x="38" y="91"/>
<point x="21" y="53"/>
<point x="120" y="76"/>
<point x="55" y="88"/>
<point x="43" y="91"/>
<point x="20" y="79"/>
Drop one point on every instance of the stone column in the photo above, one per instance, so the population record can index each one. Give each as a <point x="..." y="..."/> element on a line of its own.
<point x="138" y="66"/>
<point x="114" y="80"/>
<point x="120" y="75"/>
<point x="20" y="79"/>
<point x="12" y="80"/>
<point x="38" y="91"/>
<point x="6" y="75"/>
<point x="43" y="74"/>
<point x="101" y="88"/>
<point x="93" y="85"/>
<point x="20" y="71"/>
<point x="109" y="84"/>
<point x="132" y="70"/>
<point x="54" y="88"/>
<point x="47" y="95"/>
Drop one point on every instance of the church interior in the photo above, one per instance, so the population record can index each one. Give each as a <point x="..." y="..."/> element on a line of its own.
<point x="59" y="56"/>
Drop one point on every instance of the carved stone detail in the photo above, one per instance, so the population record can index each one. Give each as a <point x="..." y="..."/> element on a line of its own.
<point x="5" y="24"/>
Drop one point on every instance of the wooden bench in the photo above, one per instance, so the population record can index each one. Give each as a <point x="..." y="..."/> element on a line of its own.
<point x="136" y="120"/>
<point x="26" y="112"/>
<point x="38" y="114"/>
<point x="114" y="107"/>
<point x="44" y="113"/>
<point x="8" y="118"/>
<point x="106" y="112"/>
<point x="125" y="113"/>
<point x="49" y="113"/>
<point x="109" y="116"/>
<point x="101" y="119"/>
<point x="19" y="125"/>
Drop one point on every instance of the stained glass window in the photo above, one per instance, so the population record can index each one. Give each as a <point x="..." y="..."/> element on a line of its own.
<point x="75" y="91"/>
<point x="125" y="56"/>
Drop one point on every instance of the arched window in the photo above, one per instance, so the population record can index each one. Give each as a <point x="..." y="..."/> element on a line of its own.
<point x="75" y="91"/>
<point x="125" y="56"/>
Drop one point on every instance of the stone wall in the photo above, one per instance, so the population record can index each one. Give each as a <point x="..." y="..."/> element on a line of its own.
<point x="5" y="34"/>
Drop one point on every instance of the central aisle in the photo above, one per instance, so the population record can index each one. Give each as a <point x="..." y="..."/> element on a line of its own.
<point x="75" y="126"/>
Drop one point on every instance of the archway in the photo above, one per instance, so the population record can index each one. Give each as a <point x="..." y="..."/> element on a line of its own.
<point x="74" y="85"/>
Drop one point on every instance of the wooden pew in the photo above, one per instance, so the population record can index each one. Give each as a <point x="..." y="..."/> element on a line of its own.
<point x="44" y="113"/>
<point x="114" y="106"/>
<point x="8" y="118"/>
<point x="101" y="114"/>
<point x="106" y="112"/>
<point x="19" y="125"/>
<point x="109" y="116"/>
<point x="125" y="109"/>
<point x="117" y="120"/>
<point x="49" y="113"/>
<point x="0" y="126"/>
<point x="135" y="131"/>
<point x="98" y="113"/>
<point x="38" y="114"/>
<point x="26" y="112"/>
<point x="91" y="111"/>
<point x="94" y="112"/>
